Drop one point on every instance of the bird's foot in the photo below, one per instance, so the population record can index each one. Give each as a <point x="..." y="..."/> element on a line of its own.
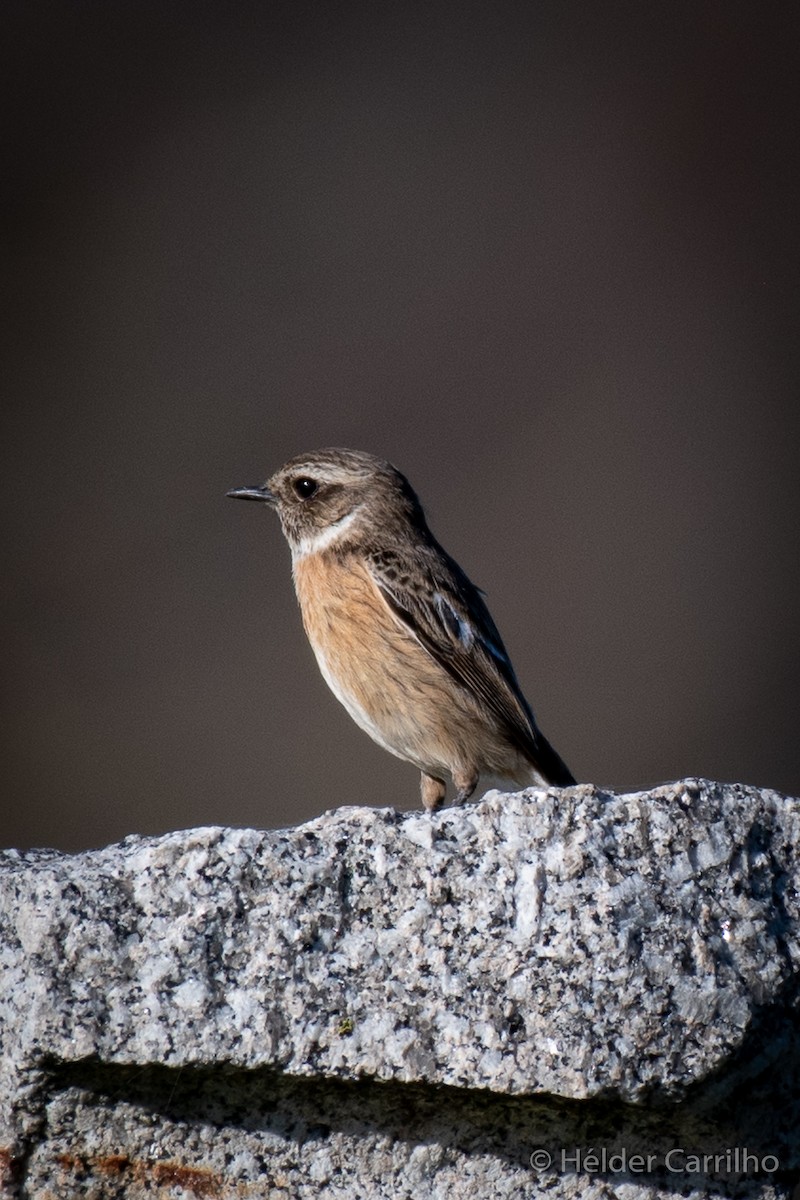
<point x="466" y="785"/>
<point x="433" y="792"/>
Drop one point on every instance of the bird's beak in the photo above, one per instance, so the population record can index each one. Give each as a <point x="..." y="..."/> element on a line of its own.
<point x="253" y="493"/>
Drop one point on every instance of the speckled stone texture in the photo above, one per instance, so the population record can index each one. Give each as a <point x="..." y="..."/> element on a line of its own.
<point x="570" y="993"/>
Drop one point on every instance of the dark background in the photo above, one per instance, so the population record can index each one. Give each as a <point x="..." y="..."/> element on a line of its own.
<point x="543" y="257"/>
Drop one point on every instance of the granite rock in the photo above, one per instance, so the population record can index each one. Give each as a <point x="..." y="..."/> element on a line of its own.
<point x="527" y="994"/>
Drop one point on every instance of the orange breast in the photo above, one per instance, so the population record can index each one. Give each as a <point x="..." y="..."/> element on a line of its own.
<point x="343" y="613"/>
<point x="388" y="683"/>
<point x="385" y="679"/>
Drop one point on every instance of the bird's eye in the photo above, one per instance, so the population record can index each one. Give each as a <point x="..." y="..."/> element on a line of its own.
<point x="305" y="487"/>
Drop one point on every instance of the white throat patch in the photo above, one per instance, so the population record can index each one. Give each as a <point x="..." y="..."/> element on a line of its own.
<point x="314" y="542"/>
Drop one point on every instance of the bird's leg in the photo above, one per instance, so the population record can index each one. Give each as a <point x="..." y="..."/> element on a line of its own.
<point x="433" y="791"/>
<point x="466" y="782"/>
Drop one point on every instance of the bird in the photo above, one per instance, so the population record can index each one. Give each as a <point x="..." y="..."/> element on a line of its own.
<point x="402" y="637"/>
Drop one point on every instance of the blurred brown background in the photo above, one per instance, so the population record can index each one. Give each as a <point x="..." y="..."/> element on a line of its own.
<point x="542" y="256"/>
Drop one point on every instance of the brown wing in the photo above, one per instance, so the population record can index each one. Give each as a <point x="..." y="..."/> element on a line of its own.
<point x="446" y="613"/>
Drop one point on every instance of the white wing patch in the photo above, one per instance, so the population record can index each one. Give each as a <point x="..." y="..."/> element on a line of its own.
<point x="453" y="620"/>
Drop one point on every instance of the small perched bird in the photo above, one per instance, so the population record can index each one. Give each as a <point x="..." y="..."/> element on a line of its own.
<point x="402" y="637"/>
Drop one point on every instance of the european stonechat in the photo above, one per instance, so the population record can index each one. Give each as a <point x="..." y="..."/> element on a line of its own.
<point x="402" y="637"/>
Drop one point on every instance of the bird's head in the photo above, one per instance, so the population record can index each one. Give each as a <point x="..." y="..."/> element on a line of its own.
<point x="329" y="496"/>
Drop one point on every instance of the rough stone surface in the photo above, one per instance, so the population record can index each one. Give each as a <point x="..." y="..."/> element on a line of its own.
<point x="375" y="1004"/>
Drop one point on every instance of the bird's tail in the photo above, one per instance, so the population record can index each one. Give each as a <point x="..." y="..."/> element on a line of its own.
<point x="550" y="765"/>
